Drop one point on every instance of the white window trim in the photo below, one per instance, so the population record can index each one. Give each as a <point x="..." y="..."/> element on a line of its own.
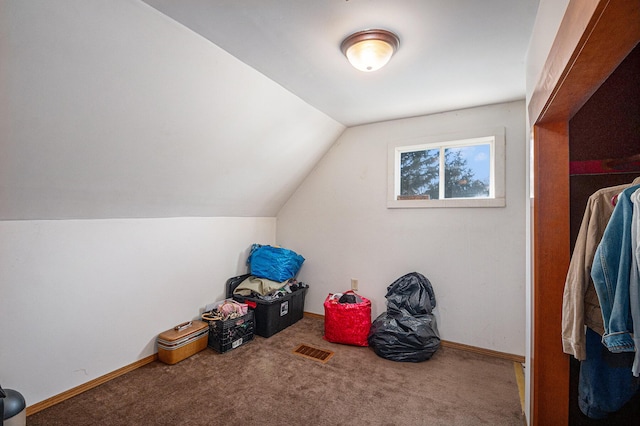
<point x="497" y="197"/>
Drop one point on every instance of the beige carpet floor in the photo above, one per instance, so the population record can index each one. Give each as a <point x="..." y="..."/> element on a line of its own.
<point x="264" y="383"/>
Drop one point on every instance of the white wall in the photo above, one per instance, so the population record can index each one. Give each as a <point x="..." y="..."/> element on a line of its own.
<point x="109" y="109"/>
<point x="82" y="298"/>
<point x="545" y="28"/>
<point x="474" y="257"/>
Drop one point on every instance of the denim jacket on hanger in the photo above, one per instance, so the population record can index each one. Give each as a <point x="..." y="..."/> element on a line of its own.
<point x="611" y="276"/>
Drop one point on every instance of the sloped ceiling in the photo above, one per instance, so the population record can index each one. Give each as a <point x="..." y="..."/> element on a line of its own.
<point x="110" y="109"/>
<point x="452" y="55"/>
<point x="125" y="109"/>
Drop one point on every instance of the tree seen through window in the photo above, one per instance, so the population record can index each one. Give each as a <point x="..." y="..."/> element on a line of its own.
<point x="466" y="172"/>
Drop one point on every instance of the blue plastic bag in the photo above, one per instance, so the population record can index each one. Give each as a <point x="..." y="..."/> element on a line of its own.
<point x="274" y="263"/>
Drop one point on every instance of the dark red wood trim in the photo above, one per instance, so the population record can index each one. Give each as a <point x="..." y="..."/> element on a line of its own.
<point x="550" y="366"/>
<point x="593" y="39"/>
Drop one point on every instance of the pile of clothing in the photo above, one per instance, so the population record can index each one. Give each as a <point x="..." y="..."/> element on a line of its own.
<point x="225" y="310"/>
<point x="266" y="289"/>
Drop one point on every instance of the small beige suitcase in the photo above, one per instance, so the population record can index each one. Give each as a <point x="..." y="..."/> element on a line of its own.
<point x="182" y="341"/>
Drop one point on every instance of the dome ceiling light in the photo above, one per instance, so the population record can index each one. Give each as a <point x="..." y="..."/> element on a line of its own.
<point x="370" y="50"/>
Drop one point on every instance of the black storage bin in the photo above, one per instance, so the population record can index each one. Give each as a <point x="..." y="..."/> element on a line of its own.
<point x="232" y="333"/>
<point x="271" y="316"/>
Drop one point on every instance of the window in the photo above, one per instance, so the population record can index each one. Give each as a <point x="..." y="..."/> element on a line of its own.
<point x="462" y="170"/>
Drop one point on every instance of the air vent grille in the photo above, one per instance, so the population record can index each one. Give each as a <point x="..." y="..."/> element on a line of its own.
<point x="313" y="353"/>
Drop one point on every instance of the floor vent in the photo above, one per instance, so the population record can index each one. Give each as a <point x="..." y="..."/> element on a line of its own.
<point x="316" y="354"/>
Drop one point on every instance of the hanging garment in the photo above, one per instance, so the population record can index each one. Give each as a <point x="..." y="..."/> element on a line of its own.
<point x="634" y="290"/>
<point x="605" y="383"/>
<point x="580" y="304"/>
<point x="611" y="275"/>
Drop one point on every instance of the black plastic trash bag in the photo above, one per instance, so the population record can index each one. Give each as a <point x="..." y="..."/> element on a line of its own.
<point x="407" y="332"/>
<point x="411" y="293"/>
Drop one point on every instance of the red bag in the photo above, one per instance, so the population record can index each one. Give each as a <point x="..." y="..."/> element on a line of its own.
<point x="347" y="323"/>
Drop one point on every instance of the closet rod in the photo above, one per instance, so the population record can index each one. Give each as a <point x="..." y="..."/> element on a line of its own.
<point x="628" y="164"/>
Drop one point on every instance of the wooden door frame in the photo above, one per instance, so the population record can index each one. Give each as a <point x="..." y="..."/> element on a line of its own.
<point x="593" y="39"/>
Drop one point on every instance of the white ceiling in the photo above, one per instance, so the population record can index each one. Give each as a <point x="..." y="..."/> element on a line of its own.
<point x="453" y="53"/>
<point x="121" y="109"/>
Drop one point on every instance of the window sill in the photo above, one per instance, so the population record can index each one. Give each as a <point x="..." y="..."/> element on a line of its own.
<point x="451" y="203"/>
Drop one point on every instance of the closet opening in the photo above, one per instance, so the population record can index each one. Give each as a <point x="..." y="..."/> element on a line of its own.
<point x="593" y="40"/>
<point x="604" y="151"/>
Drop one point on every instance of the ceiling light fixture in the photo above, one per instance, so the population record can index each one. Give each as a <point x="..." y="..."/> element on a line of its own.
<point x="370" y="50"/>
